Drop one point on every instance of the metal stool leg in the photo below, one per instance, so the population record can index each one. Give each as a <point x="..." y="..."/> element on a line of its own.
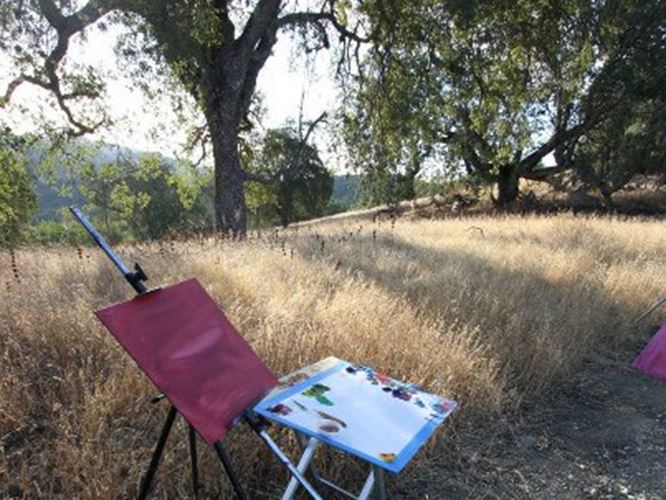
<point x="287" y="463"/>
<point x="367" y="487"/>
<point x="157" y="454"/>
<point x="375" y="480"/>
<point x="381" y="482"/>
<point x="303" y="464"/>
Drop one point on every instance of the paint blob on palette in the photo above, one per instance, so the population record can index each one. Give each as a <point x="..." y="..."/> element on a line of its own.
<point x="358" y="410"/>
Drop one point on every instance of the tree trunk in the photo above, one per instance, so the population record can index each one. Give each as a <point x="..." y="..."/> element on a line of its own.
<point x="284" y="217"/>
<point x="607" y="195"/>
<point x="409" y="188"/>
<point x="507" y="186"/>
<point x="230" y="210"/>
<point x="285" y="203"/>
<point x="413" y="169"/>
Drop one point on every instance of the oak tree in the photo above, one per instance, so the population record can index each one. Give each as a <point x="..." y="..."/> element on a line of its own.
<point x="492" y="88"/>
<point x="292" y="180"/>
<point x="214" y="49"/>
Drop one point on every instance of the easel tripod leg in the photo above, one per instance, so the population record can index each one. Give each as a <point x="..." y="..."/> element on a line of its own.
<point x="157" y="454"/>
<point x="193" y="461"/>
<point x="229" y="469"/>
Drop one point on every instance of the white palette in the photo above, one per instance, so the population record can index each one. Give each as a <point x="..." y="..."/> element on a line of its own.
<point x="360" y="411"/>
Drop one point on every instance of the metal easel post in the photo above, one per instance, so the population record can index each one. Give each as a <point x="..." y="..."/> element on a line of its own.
<point x="135" y="279"/>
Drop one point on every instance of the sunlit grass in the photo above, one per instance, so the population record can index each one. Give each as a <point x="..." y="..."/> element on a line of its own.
<point x="485" y="310"/>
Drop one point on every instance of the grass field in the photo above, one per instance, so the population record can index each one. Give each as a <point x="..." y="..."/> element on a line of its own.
<point x="489" y="311"/>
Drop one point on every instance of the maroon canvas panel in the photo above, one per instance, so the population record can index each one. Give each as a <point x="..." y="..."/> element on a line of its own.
<point x="653" y="358"/>
<point x="192" y="353"/>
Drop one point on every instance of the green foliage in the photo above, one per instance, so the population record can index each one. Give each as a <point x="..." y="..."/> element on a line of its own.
<point x="294" y="185"/>
<point x="632" y="142"/>
<point x="382" y="185"/>
<point x="54" y="232"/>
<point x="145" y="196"/>
<point x="17" y="198"/>
<point x="261" y="201"/>
<point x="336" y="207"/>
<point x="491" y="88"/>
<point x="130" y="197"/>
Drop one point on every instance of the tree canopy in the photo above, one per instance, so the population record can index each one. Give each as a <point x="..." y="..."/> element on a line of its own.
<point x="485" y="90"/>
<point x="291" y="181"/>
<point x="130" y="194"/>
<point x="17" y="198"/>
<point x="492" y="88"/>
<point x="632" y="141"/>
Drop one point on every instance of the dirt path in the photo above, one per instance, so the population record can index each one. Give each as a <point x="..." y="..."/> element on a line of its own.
<point x="601" y="435"/>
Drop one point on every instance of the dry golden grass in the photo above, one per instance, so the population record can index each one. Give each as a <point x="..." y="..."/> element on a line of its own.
<point x="486" y="310"/>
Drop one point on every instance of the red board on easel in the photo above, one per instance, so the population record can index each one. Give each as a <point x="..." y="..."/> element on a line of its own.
<point x="192" y="353"/>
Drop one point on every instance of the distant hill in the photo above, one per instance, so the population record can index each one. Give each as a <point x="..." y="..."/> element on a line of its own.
<point x="345" y="190"/>
<point x="50" y="198"/>
<point x="50" y="201"/>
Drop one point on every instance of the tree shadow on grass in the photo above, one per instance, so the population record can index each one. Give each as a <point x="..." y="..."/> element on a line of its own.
<point x="606" y="247"/>
<point x="538" y="330"/>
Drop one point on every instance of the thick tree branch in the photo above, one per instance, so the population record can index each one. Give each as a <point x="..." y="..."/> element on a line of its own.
<point x="302" y="18"/>
<point x="52" y="13"/>
<point x="257" y="60"/>
<point x="47" y="77"/>
<point x="560" y="137"/>
<point x="228" y="30"/>
<point x="261" y="20"/>
<point x="543" y="174"/>
<point x="11" y="88"/>
<point x="532" y="160"/>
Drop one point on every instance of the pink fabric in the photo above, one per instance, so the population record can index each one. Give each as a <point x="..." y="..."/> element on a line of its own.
<point x="653" y="358"/>
<point x="191" y="351"/>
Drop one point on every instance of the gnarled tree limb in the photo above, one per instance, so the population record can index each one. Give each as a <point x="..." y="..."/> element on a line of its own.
<point x="303" y="18"/>
<point x="46" y="76"/>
